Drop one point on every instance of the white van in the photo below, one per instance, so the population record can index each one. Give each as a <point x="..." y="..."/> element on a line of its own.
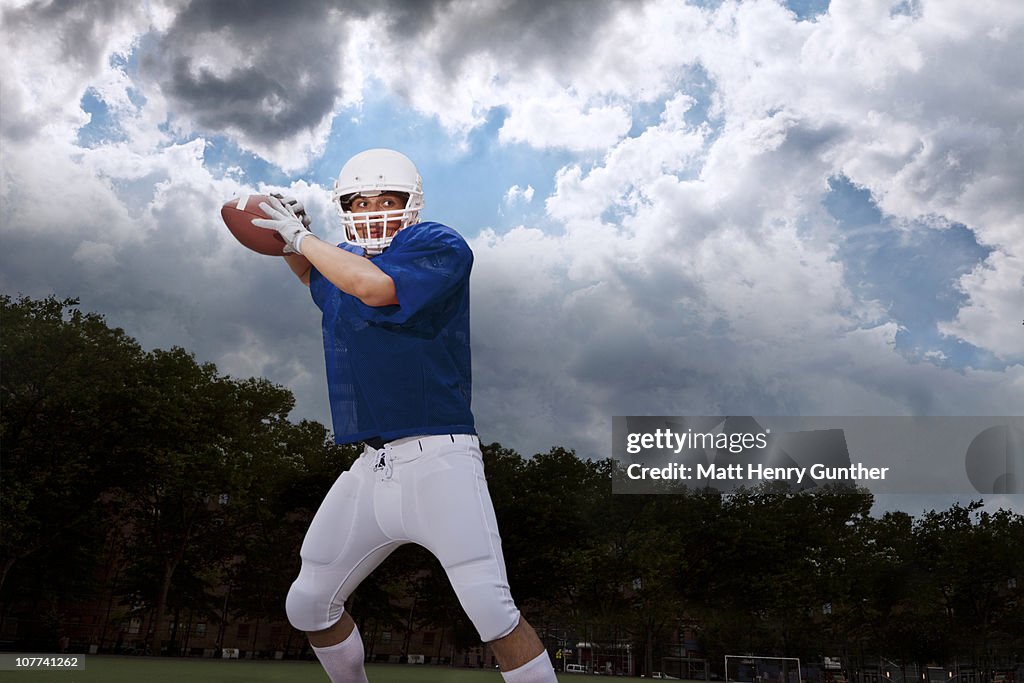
<point x="575" y="669"/>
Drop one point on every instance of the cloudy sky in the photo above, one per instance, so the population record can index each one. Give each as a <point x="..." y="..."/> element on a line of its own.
<point x="758" y="207"/>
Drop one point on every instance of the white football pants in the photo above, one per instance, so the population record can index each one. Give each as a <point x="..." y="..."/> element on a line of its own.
<point x="428" y="490"/>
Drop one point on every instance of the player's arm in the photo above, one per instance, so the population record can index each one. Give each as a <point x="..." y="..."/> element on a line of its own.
<point x="352" y="274"/>
<point x="300" y="265"/>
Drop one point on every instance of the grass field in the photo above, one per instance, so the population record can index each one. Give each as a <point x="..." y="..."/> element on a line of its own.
<point x="101" y="669"/>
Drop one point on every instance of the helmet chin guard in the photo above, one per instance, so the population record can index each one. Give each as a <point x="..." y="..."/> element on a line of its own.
<point x="369" y="174"/>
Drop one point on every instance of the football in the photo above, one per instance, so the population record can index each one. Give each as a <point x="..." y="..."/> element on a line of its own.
<point x="238" y="214"/>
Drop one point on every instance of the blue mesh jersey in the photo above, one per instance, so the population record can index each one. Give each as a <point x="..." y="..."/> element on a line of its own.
<point x="402" y="370"/>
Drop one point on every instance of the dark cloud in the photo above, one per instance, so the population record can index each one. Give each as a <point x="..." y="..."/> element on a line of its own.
<point x="264" y="105"/>
<point x="264" y="70"/>
<point x="245" y="16"/>
<point x="527" y="32"/>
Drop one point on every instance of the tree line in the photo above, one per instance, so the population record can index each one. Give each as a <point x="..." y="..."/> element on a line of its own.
<point x="200" y="481"/>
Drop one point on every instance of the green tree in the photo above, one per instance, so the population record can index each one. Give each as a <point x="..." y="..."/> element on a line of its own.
<point x="969" y="557"/>
<point x="65" y="401"/>
<point x="198" y="435"/>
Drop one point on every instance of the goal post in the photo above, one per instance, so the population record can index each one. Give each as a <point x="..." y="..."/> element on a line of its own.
<point x="762" y="669"/>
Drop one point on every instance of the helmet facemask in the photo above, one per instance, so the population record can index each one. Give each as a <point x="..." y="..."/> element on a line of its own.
<point x="360" y="225"/>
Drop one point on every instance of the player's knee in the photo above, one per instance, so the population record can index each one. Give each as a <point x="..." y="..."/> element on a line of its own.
<point x="299" y="606"/>
<point x="493" y="616"/>
<point x="309" y="609"/>
<point x="488" y="604"/>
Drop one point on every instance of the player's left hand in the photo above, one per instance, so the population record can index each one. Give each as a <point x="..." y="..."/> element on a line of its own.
<point x="296" y="207"/>
<point x="287" y="224"/>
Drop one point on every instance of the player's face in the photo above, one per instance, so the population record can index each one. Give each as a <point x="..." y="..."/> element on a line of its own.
<point x="386" y="201"/>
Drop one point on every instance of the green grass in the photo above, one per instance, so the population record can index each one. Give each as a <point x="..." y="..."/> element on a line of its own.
<point x="100" y="669"/>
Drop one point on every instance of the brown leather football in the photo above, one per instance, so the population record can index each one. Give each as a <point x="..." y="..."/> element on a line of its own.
<point x="238" y="214"/>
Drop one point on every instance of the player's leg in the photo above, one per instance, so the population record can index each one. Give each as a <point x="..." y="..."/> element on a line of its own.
<point x="522" y="649"/>
<point x="343" y="545"/>
<point x="335" y="634"/>
<point x="340" y="651"/>
<point x="456" y="522"/>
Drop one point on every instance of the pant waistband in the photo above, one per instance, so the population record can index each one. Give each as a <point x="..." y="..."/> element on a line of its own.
<point x="377" y="443"/>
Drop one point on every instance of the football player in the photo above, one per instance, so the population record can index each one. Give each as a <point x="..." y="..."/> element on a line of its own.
<point x="395" y="303"/>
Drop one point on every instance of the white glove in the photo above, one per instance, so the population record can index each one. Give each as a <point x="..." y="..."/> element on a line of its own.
<point x="287" y="224"/>
<point x="296" y="206"/>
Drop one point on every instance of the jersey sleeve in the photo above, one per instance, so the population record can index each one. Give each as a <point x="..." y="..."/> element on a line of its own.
<point x="426" y="271"/>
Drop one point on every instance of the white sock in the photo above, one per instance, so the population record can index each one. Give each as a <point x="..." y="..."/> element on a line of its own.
<point x="343" y="662"/>
<point x="537" y="670"/>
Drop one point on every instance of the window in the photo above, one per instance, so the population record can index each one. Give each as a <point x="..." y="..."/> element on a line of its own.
<point x="428" y="638"/>
<point x="134" y="625"/>
<point x="243" y="630"/>
<point x="385" y="637"/>
<point x="201" y="628"/>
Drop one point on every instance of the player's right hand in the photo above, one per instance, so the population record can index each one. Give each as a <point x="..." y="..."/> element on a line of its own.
<point x="287" y="224"/>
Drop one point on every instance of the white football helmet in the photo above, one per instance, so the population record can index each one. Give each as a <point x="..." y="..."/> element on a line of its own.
<point x="369" y="174"/>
